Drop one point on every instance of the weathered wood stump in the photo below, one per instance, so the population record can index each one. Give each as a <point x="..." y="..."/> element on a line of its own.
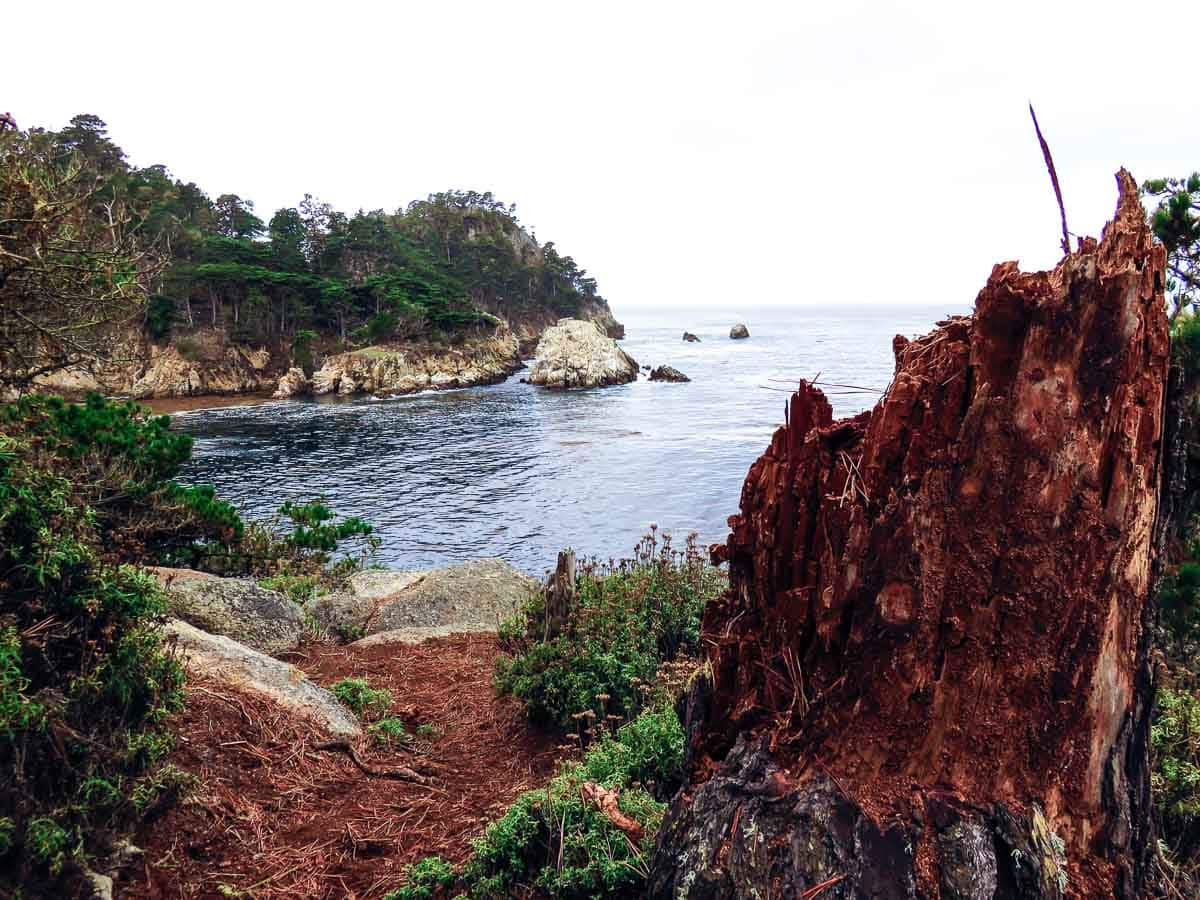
<point x="560" y="595"/>
<point x="929" y="677"/>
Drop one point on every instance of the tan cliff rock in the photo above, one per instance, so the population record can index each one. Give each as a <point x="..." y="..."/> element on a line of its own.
<point x="577" y="354"/>
<point x="407" y="368"/>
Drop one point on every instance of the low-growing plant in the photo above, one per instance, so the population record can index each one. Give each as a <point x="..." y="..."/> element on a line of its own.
<point x="629" y="618"/>
<point x="558" y="841"/>
<point x="366" y="701"/>
<point x="425" y="879"/>
<point x="389" y="731"/>
<point x="298" y="588"/>
<point x="86" y="681"/>
<point x="1175" y="743"/>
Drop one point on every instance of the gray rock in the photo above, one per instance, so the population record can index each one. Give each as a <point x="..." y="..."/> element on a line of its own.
<point x="690" y="338"/>
<point x="419" y="635"/>
<point x="350" y="609"/>
<point x="577" y="354"/>
<point x="739" y="331"/>
<point x="667" y="373"/>
<point x="480" y="592"/>
<point x="242" y="668"/>
<point x="234" y="607"/>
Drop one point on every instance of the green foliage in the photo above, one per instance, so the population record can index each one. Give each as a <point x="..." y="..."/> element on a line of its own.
<point x="86" y="682"/>
<point x="445" y="264"/>
<point x="160" y="316"/>
<point x="366" y="701"/>
<point x="389" y="731"/>
<point x="315" y="526"/>
<point x="630" y="618"/>
<point x="299" y="588"/>
<point x="1175" y="743"/>
<point x="1176" y="222"/>
<point x="74" y="268"/>
<point x="120" y="462"/>
<point x="558" y="842"/>
<point x="163" y="786"/>
<point x="424" y="880"/>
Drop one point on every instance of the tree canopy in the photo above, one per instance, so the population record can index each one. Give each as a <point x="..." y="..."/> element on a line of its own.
<point x="89" y="243"/>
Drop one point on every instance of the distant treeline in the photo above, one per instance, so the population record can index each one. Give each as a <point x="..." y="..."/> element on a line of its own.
<point x="139" y="236"/>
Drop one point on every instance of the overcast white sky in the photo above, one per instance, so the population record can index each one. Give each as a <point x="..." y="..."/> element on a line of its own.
<point x="733" y="154"/>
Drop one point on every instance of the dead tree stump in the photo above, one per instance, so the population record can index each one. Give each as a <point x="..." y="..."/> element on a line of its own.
<point x="929" y="677"/>
<point x="560" y="595"/>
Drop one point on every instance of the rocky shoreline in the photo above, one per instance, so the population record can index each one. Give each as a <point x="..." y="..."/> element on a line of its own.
<point x="233" y="631"/>
<point x="204" y="364"/>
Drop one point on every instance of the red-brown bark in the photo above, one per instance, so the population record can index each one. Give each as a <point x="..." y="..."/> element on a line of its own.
<point x="935" y="633"/>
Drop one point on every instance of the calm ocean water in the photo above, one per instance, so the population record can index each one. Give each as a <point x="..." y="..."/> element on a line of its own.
<point x="521" y="472"/>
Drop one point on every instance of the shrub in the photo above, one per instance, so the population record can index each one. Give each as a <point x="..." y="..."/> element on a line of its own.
<point x="366" y="701"/>
<point x="559" y="842"/>
<point x="85" y="680"/>
<point x="425" y="880"/>
<point x="1175" y="742"/>
<point x="299" y="588"/>
<point x="389" y="731"/>
<point x="629" y="618"/>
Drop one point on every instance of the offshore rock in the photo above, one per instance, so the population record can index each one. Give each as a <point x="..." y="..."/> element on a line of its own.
<point x="667" y="373"/>
<point x="690" y="338"/>
<point x="577" y="354"/>
<point x="407" y="368"/>
<point x="739" y="331"/>
<point x="930" y="675"/>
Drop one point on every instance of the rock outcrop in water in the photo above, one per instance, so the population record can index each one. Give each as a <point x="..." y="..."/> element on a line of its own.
<point x="667" y="373"/>
<point x="404" y="369"/>
<point x="577" y="354"/>
<point x="739" y="331"/>
<point x="929" y="677"/>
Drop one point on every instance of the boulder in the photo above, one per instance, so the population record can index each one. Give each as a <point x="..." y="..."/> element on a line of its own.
<point x="691" y="338"/>
<point x="293" y="384"/>
<point x="577" y="354"/>
<point x="667" y="373"/>
<point x="480" y="592"/>
<point x="739" y="331"/>
<point x="234" y="607"/>
<point x="245" y="669"/>
<point x="349" y="610"/>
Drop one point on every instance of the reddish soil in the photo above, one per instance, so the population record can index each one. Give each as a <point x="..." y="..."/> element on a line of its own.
<point x="274" y="818"/>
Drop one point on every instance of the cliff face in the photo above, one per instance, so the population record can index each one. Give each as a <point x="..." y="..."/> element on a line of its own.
<point x="404" y="369"/>
<point x="929" y="677"/>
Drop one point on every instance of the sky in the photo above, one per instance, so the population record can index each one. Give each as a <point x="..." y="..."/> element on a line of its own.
<point x="686" y="154"/>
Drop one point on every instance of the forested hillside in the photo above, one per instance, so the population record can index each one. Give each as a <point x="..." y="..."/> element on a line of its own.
<point x="91" y="245"/>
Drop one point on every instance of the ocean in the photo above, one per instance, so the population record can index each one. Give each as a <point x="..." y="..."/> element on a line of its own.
<point x="520" y="472"/>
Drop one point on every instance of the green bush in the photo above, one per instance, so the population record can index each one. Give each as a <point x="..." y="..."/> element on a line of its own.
<point x="425" y="880"/>
<point x="85" y="680"/>
<point x="366" y="701"/>
<point x="559" y="843"/>
<point x="389" y="731"/>
<point x="1175" y="743"/>
<point x="629" y="619"/>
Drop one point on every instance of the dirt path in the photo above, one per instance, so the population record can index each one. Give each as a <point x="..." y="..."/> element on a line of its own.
<point x="276" y="819"/>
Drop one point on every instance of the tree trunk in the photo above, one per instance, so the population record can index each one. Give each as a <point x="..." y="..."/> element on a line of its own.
<point x="930" y="676"/>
